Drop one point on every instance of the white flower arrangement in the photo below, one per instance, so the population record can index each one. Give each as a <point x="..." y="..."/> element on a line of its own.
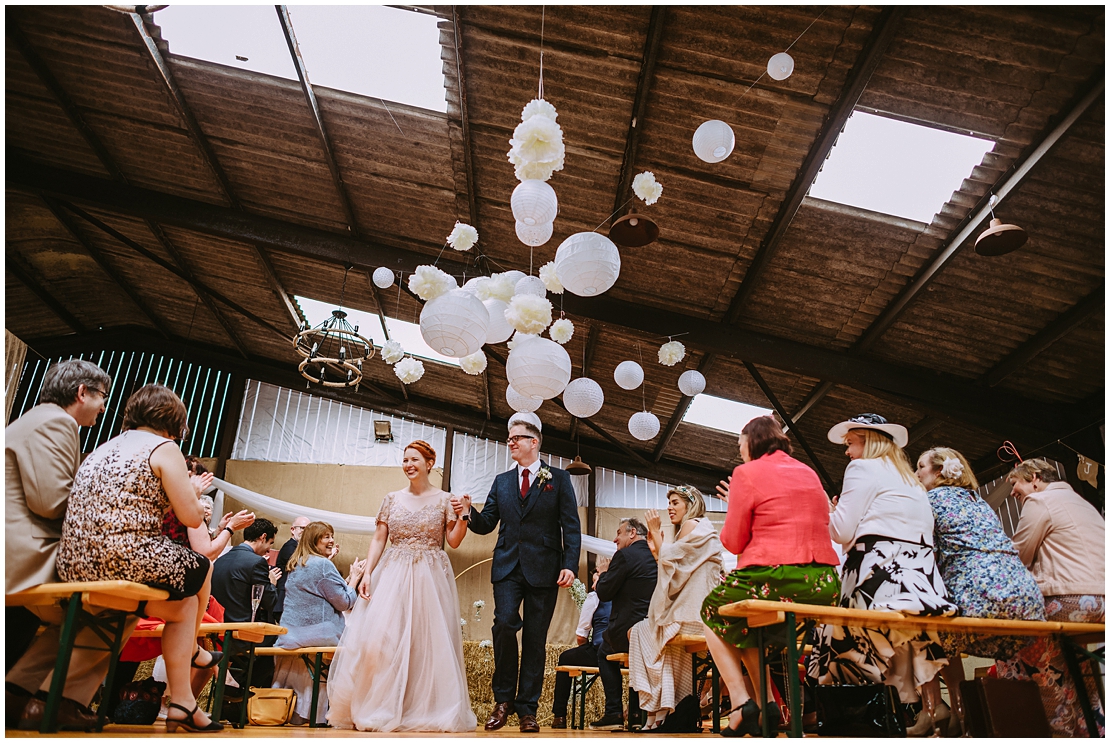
<point x="562" y="330"/>
<point x="462" y="622"/>
<point x="647" y="188"/>
<point x="519" y="338"/>
<point x="550" y="279"/>
<point x="478" y="606"/>
<point x="529" y="313"/>
<point x="428" y="282"/>
<point x="409" y="370"/>
<point x="543" y="474"/>
<point x="578" y="592"/>
<point x="473" y="364"/>
<point x="952" y="468"/>
<point x="462" y="237"/>
<point x="671" y="353"/>
<point x="392" y="352"/>
<point x="538" y="107"/>
<point x="486" y="644"/>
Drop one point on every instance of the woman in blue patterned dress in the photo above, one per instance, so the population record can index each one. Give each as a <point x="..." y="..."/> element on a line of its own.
<point x="980" y="567"/>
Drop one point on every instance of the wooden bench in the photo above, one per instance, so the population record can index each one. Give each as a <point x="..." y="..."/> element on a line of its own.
<point x="778" y="619"/>
<point x="317" y="670"/>
<point x="251" y="633"/>
<point x="114" y="598"/>
<point x="581" y="679"/>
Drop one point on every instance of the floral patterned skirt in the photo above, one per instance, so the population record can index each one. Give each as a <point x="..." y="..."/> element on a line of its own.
<point x="803" y="584"/>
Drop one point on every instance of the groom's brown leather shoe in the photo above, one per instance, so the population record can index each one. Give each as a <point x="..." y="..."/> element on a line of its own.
<point x="528" y="724"/>
<point x="499" y="715"/>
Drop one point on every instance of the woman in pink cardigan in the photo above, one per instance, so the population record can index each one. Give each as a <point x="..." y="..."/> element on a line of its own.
<point x="778" y="525"/>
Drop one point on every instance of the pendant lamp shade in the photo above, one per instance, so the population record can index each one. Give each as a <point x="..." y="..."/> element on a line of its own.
<point x="1000" y="239"/>
<point x="634" y="231"/>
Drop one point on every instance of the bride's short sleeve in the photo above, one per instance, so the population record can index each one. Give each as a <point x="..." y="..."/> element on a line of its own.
<point x="447" y="510"/>
<point x="383" y="512"/>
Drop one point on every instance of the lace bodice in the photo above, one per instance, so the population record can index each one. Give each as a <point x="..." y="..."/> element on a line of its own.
<point x="416" y="522"/>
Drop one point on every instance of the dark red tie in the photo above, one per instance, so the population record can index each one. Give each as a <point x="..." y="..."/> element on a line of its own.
<point x="524" y="484"/>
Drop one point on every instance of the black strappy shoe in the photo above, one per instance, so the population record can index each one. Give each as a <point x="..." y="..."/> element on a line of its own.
<point x="188" y="721"/>
<point x="749" y="722"/>
<point x="217" y="656"/>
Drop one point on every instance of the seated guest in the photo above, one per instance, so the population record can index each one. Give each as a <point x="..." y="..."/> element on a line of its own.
<point x="113" y="531"/>
<point x="778" y="525"/>
<point x="689" y="568"/>
<point x="981" y="570"/>
<point x="316" y="595"/>
<point x="628" y="582"/>
<point x="285" y="554"/>
<point x="1061" y="537"/>
<point x="593" y="619"/>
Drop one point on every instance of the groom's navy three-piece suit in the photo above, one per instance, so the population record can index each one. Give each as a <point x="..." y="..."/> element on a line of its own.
<point x="540" y="535"/>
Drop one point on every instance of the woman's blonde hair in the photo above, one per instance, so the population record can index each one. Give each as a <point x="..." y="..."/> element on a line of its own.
<point x="695" y="502"/>
<point x="306" y="545"/>
<point x="936" y="458"/>
<point x="1030" y="468"/>
<point x="879" y="446"/>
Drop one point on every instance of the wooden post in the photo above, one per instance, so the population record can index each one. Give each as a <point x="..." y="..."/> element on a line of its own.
<point x="591" y="523"/>
<point x="448" y="451"/>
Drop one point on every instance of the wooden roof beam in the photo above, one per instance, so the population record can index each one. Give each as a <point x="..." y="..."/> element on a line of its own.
<point x="15" y="269"/>
<point x="464" y="121"/>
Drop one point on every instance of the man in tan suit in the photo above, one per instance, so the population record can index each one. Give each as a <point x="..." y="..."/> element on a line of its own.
<point x="42" y="453"/>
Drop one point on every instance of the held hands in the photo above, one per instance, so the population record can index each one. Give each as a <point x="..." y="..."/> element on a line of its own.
<point x="201" y="483"/>
<point x="275" y="573"/>
<point x="566" y="577"/>
<point x="652" y="518"/>
<point x="457" y="504"/>
<point x="722" y="488"/>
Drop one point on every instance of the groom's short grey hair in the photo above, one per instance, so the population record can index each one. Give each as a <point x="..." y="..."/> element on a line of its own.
<point x="632" y="524"/>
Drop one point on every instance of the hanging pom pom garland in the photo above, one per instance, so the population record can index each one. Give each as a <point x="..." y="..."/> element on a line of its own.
<point x="409" y="370"/>
<point x="536" y="148"/>
<point x="671" y="353"/>
<point x="428" y="282"/>
<point x="463" y="237"/>
<point x="473" y="364"/>
<point x="647" y="188"/>
<point x="529" y="313"/>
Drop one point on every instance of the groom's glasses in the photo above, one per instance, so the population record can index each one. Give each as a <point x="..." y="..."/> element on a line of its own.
<point x="518" y="439"/>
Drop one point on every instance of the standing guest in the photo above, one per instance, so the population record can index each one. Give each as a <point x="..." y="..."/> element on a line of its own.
<point x="42" y="452"/>
<point x="778" y="526"/>
<point x="628" y="582"/>
<point x="1062" y="538"/>
<point x="593" y="620"/>
<point x="317" y="596"/>
<point x="113" y="531"/>
<point x="884" y="518"/>
<point x="285" y="554"/>
<point x="689" y="568"/>
<point x="981" y="570"/>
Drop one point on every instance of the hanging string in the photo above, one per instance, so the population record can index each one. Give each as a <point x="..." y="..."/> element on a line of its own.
<point x="543" y="18"/>
<point x="1061" y="443"/>
<point x="643" y="385"/>
<point x="1013" y="450"/>
<point x="618" y="209"/>
<point x="189" y="335"/>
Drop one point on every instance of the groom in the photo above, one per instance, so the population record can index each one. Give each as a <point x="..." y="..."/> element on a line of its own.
<point x="537" y="551"/>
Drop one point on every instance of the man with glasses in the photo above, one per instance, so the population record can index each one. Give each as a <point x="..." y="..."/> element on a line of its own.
<point x="42" y="453"/>
<point x="537" y="552"/>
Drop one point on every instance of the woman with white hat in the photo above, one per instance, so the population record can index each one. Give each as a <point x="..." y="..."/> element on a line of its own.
<point x="884" y="520"/>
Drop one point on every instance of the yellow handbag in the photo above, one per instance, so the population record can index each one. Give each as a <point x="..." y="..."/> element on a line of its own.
<point x="270" y="706"/>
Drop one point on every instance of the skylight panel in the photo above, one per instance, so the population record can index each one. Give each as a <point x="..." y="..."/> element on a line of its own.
<point x="893" y="167"/>
<point x="721" y="414"/>
<point x="245" y="36"/>
<point x="370" y="326"/>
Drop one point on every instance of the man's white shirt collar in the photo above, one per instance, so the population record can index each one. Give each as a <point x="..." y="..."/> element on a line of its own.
<point x="532" y="470"/>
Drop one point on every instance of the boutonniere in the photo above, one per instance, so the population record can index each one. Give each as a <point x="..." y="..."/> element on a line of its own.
<point x="543" y="475"/>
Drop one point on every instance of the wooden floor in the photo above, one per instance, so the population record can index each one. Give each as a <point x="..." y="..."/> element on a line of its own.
<point x="286" y="731"/>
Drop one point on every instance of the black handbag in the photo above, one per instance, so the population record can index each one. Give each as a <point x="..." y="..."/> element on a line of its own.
<point x="866" y="711"/>
<point x="139" y="702"/>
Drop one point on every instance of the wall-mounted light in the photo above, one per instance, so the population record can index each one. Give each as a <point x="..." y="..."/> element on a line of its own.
<point x="383" y="431"/>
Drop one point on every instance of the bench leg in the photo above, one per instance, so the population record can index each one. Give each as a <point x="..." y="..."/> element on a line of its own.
<point x="1080" y="685"/>
<point x="247" y="691"/>
<point x="315" y="689"/>
<point x="716" y="699"/>
<point x="61" y="666"/>
<point x="794" y="687"/>
<point x="117" y="640"/>
<point x="216" y="701"/>
<point x="766" y="719"/>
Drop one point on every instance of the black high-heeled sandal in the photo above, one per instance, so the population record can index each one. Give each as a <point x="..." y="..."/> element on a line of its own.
<point x="188" y="721"/>
<point x="217" y="656"/>
<point x="749" y="722"/>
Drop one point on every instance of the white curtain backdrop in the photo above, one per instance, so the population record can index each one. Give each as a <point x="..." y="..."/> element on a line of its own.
<point x="476" y="462"/>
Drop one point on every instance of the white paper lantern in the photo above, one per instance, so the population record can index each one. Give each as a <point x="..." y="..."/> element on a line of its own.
<point x="522" y="403"/>
<point x="454" y="324"/>
<point x="514" y="276"/>
<point x="713" y="141"/>
<point x="780" y="66"/>
<point x="691" y="382"/>
<point x="538" y="367"/>
<point x="583" y="397"/>
<point x="643" y="425"/>
<point x="534" y="203"/>
<point x="628" y="375"/>
<point x="472" y="285"/>
<point x="534" y="235"/>
<point x="383" y="277"/>
<point x="499" y="328"/>
<point x="531" y="285"/>
<point x="587" y="264"/>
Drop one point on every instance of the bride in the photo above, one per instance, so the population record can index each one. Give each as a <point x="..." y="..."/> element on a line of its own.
<point x="399" y="665"/>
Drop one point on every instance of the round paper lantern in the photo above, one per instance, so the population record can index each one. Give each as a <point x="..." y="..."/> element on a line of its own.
<point x="643" y="425"/>
<point x="534" y="235"/>
<point x="534" y="203"/>
<point x="514" y="276"/>
<point x="713" y="141"/>
<point x="383" y="277"/>
<point x="587" y="264"/>
<point x="780" y="66"/>
<point x="538" y="367"/>
<point x="499" y="328"/>
<point x="691" y="382"/>
<point x="471" y="285"/>
<point x="583" y="397"/>
<point x="531" y="285"/>
<point x="628" y="375"/>
<point x="522" y="403"/>
<point x="455" y="323"/>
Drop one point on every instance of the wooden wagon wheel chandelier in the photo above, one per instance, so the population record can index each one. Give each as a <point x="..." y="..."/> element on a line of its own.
<point x="333" y="351"/>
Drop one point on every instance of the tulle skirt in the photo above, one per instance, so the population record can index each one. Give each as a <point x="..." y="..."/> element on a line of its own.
<point x="400" y="665"/>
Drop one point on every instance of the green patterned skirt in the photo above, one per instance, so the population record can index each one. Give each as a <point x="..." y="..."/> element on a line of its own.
<point x="803" y="584"/>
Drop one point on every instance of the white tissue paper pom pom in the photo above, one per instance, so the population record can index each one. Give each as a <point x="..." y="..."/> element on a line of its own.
<point x="462" y="237"/>
<point x="535" y="171"/>
<point x="392" y="352"/>
<point x="475" y="363"/>
<point x="428" y="282"/>
<point x="529" y="313"/>
<point x="538" y="107"/>
<point x="549" y="279"/>
<point x="952" y="468"/>
<point x="519" y="338"/>
<point x="500" y="286"/>
<point x="409" y="370"/>
<point x="537" y="140"/>
<point x="647" y="188"/>
<point x="561" y="331"/>
<point x="671" y="353"/>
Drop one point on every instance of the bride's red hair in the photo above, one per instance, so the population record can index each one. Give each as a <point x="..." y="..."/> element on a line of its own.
<point x="425" y="450"/>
